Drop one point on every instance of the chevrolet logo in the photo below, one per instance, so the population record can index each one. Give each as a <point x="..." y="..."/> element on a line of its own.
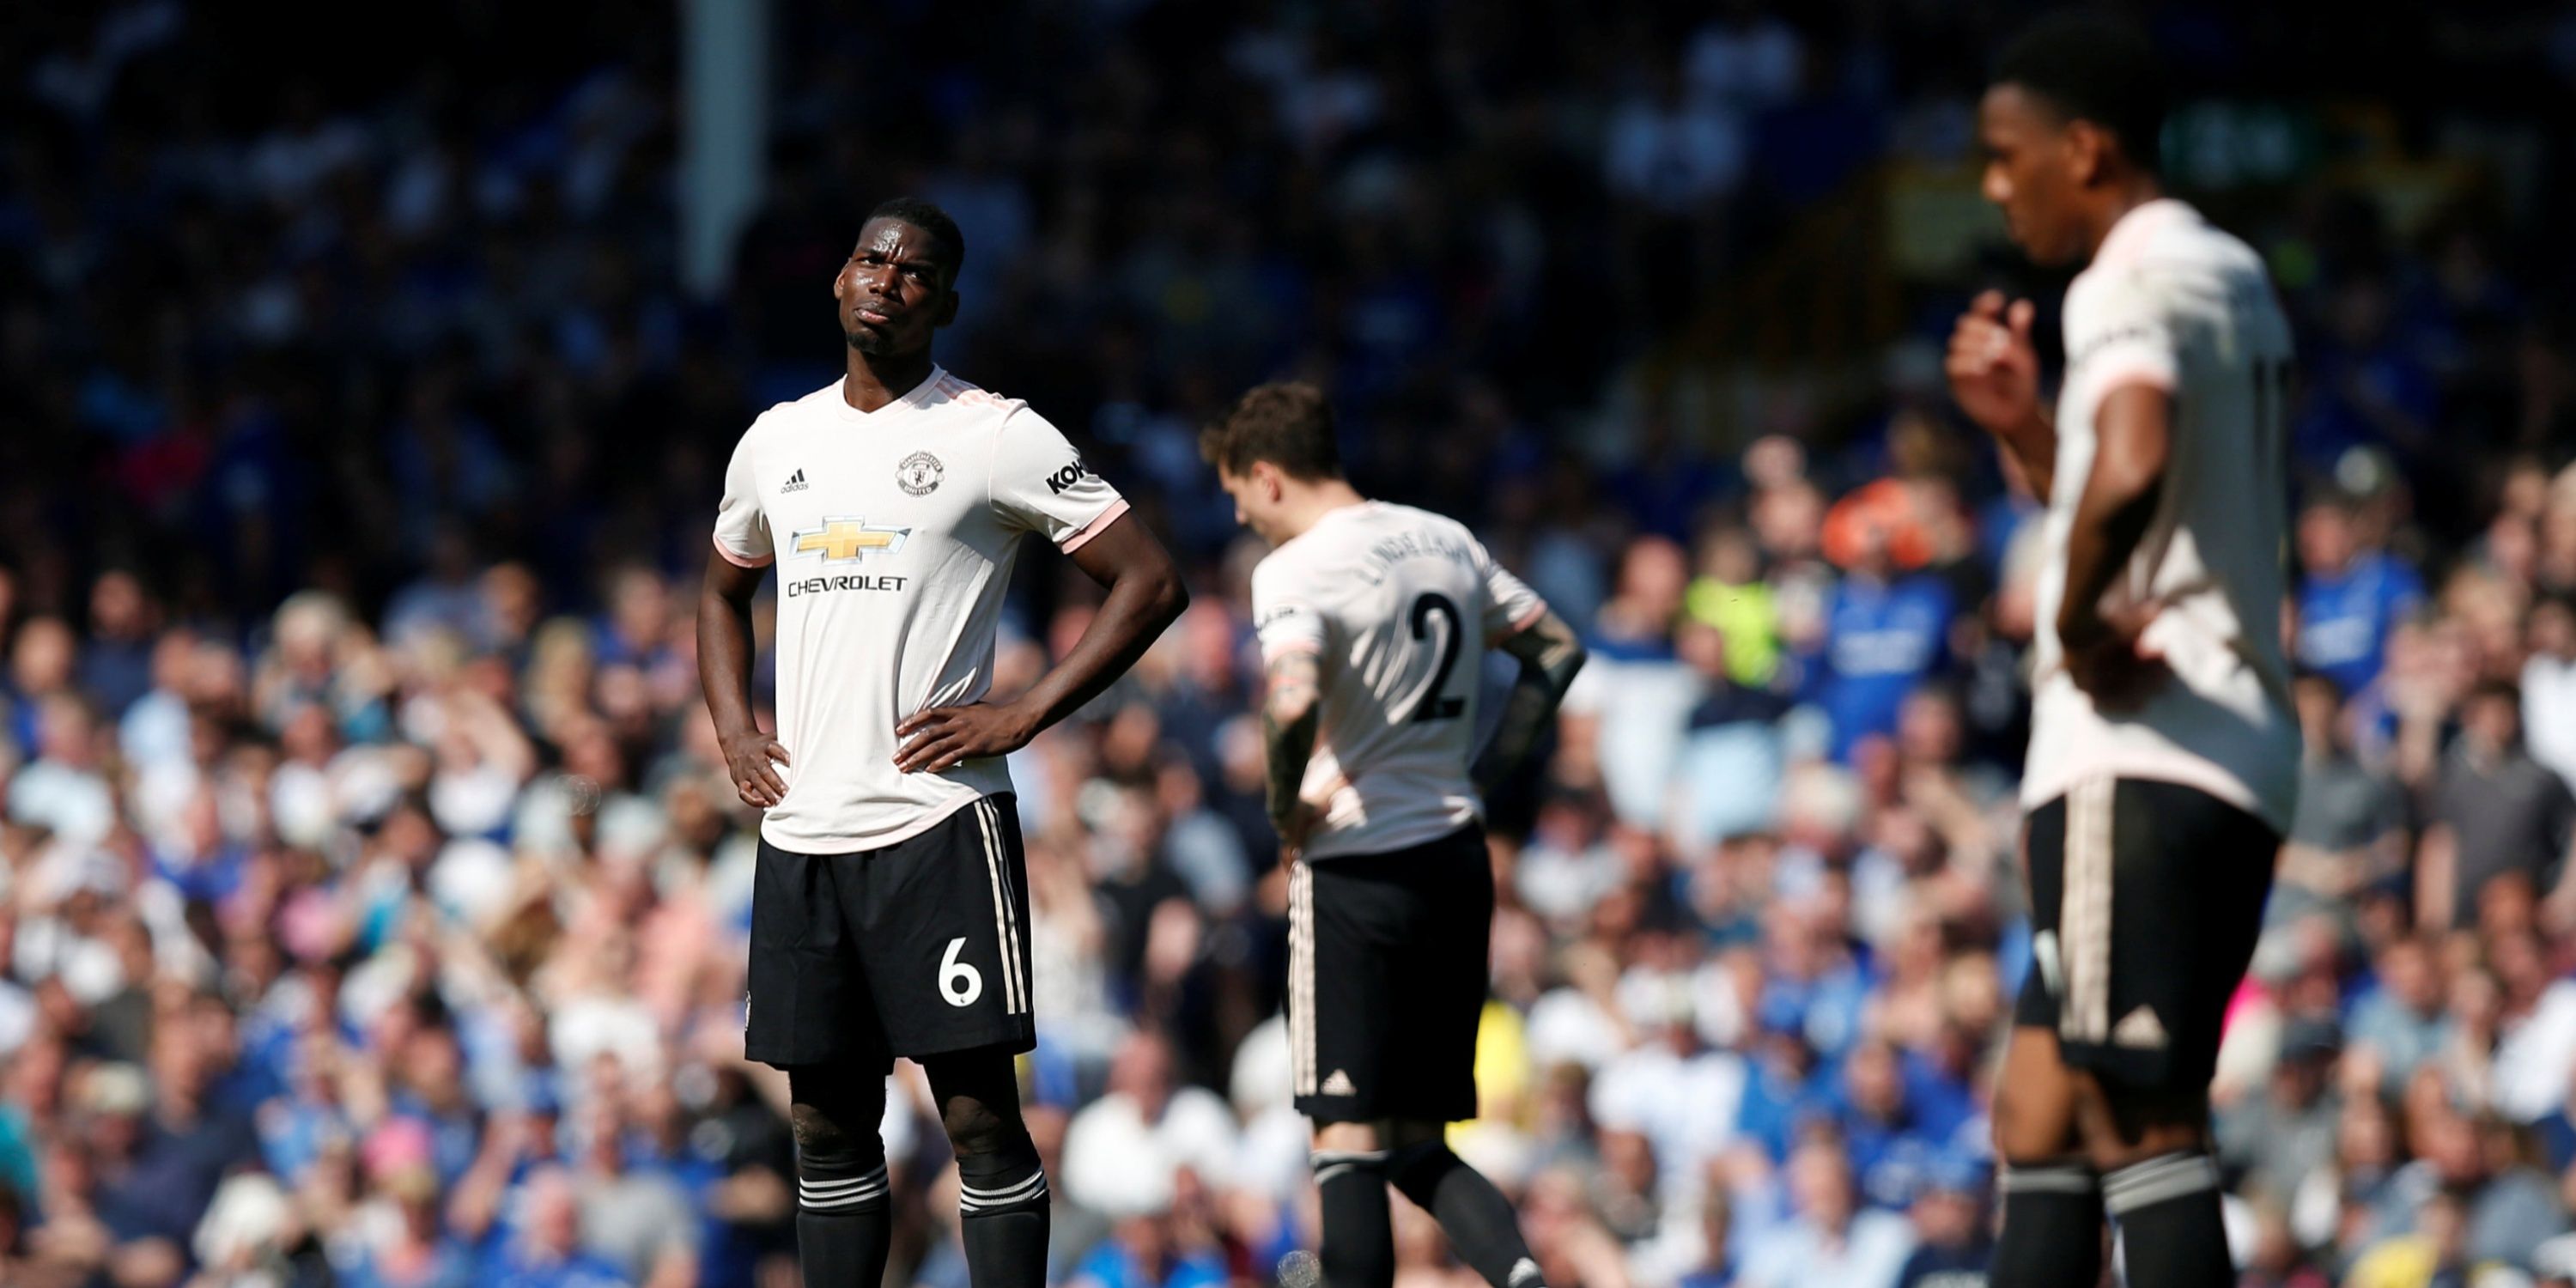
<point x="839" y="540"/>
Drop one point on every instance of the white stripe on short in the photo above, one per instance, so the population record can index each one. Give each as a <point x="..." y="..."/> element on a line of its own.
<point x="2084" y="913"/>
<point x="1301" y="979"/>
<point x="1014" y="999"/>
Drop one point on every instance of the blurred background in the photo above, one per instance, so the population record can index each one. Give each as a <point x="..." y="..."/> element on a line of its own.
<point x="372" y="900"/>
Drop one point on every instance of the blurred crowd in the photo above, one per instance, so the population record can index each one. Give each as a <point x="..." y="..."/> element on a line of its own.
<point x="372" y="898"/>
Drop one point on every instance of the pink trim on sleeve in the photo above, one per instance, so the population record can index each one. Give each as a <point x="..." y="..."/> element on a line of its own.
<point x="1099" y="523"/>
<point x="737" y="560"/>
<point x="2131" y="369"/>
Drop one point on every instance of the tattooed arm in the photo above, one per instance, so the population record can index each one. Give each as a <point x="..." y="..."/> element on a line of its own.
<point x="1549" y="654"/>
<point x="1290" y="715"/>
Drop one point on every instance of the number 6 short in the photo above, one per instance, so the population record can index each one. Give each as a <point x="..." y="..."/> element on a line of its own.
<point x="913" y="949"/>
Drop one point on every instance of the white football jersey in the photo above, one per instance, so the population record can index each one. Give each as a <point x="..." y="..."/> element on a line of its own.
<point x="2171" y="301"/>
<point x="1400" y="605"/>
<point x="893" y="531"/>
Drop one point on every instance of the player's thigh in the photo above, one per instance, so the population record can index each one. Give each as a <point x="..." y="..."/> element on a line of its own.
<point x="2163" y="900"/>
<point x="1443" y="958"/>
<point x="942" y="930"/>
<point x="809" y="1003"/>
<point x="2037" y="1099"/>
<point x="1345" y="931"/>
<point x="1442" y="976"/>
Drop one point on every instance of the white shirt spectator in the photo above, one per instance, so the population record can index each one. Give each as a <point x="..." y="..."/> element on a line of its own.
<point x="2549" y="713"/>
<point x="1798" y="1255"/>
<point x="1567" y="1027"/>
<point x="75" y="804"/>
<point x="1685" y="1105"/>
<point x="2533" y="1057"/>
<point x="1644" y="708"/>
<point x="1119" y="1164"/>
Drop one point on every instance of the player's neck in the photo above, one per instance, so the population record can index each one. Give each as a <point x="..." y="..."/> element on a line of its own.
<point x="2126" y="195"/>
<point x="1321" y="499"/>
<point x="872" y="382"/>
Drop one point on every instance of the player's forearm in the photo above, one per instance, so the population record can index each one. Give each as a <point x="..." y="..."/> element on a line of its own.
<point x="1529" y="709"/>
<point x="2119" y="500"/>
<point x="2033" y="446"/>
<point x="724" y="661"/>
<point x="1288" y="739"/>
<point x="1292" y="719"/>
<point x="1140" y="605"/>
<point x="2105" y="533"/>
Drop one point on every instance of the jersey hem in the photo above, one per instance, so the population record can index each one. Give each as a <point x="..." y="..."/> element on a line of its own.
<point x="2039" y="790"/>
<point x="938" y="814"/>
<point x="1388" y="842"/>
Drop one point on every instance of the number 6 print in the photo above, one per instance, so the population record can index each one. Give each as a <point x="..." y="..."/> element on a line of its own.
<point x="951" y="970"/>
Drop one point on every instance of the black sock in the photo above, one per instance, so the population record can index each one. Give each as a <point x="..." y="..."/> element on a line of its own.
<point x="2052" y="1235"/>
<point x="1475" y="1215"/>
<point x="1004" y="1214"/>
<point x="843" y="1226"/>
<point x="2171" y="1233"/>
<point x="1359" y="1233"/>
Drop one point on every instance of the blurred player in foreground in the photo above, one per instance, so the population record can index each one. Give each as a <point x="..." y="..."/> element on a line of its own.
<point x="2164" y="751"/>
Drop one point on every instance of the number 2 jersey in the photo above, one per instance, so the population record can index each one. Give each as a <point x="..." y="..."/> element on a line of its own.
<point x="1399" y="605"/>
<point x="894" y="532"/>
<point x="2173" y="302"/>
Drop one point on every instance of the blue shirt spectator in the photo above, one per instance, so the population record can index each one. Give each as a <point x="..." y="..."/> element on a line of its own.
<point x="1882" y="639"/>
<point x="2350" y="600"/>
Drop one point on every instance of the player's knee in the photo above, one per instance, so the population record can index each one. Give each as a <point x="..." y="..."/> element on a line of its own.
<point x="824" y="1143"/>
<point x="2134" y="1124"/>
<point x="977" y="1127"/>
<point x="2032" y="1122"/>
<point x="834" y="1116"/>
<point x="1417" y="1169"/>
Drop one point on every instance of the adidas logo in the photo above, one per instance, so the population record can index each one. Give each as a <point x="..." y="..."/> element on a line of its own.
<point x="1340" y="1084"/>
<point x="2139" y="1028"/>
<point x="795" y="483"/>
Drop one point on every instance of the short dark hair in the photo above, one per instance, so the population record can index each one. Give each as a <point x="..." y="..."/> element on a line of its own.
<point x="929" y="218"/>
<point x="2094" y="70"/>
<point x="1287" y="423"/>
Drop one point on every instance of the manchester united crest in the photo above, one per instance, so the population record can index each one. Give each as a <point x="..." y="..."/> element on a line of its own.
<point x="919" y="474"/>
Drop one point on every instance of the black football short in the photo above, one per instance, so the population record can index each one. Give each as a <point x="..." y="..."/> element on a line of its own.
<point x="2146" y="899"/>
<point x="912" y="949"/>
<point x="1387" y="980"/>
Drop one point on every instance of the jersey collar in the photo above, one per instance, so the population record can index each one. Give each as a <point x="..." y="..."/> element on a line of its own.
<point x="918" y="395"/>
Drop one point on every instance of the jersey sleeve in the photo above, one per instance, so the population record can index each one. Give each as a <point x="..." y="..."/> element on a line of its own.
<point x="1041" y="485"/>
<point x="2118" y="332"/>
<point x="1510" y="605"/>
<point x="742" y="531"/>
<point x="1284" y="620"/>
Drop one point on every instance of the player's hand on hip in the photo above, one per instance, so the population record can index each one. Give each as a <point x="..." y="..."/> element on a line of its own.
<point x="752" y="759"/>
<point x="1302" y="819"/>
<point x="2108" y="658"/>
<point x="943" y="737"/>
<point x="1993" y="368"/>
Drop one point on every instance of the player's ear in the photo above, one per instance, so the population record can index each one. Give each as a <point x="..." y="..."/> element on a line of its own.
<point x="2086" y="144"/>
